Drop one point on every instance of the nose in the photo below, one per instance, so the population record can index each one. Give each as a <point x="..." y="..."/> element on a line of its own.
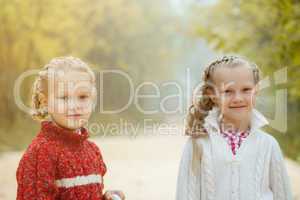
<point x="238" y="97"/>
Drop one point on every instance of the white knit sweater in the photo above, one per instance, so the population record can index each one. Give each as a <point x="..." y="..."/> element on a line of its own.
<point x="257" y="172"/>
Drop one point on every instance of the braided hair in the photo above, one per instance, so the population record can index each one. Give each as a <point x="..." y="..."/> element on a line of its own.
<point x="40" y="85"/>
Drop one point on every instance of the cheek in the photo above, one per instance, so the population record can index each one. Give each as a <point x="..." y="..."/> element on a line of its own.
<point x="252" y="99"/>
<point x="57" y="106"/>
<point x="223" y="102"/>
<point x="86" y="106"/>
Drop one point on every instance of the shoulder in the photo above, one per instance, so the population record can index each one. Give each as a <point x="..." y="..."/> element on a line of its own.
<point x="266" y="136"/>
<point x="93" y="146"/>
<point x="39" y="151"/>
<point x="268" y="139"/>
<point x="39" y="146"/>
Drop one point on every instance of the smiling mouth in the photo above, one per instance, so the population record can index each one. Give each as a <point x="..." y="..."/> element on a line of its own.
<point x="238" y="107"/>
<point x="75" y="115"/>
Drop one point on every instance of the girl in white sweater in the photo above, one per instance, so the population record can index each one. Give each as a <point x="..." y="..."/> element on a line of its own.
<point x="228" y="157"/>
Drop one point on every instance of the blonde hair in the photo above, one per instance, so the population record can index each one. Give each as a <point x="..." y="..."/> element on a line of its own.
<point x="40" y="85"/>
<point x="202" y="102"/>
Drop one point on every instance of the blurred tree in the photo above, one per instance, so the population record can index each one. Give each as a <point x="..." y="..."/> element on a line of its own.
<point x="135" y="36"/>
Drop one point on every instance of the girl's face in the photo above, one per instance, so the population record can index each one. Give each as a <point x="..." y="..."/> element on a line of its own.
<point x="71" y="98"/>
<point x="235" y="92"/>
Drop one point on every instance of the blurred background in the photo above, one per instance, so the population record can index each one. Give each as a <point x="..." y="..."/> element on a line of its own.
<point x="151" y="41"/>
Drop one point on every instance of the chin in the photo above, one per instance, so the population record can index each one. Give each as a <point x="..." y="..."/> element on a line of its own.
<point x="74" y="124"/>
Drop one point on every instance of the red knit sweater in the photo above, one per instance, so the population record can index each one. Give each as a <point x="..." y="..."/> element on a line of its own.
<point x="61" y="164"/>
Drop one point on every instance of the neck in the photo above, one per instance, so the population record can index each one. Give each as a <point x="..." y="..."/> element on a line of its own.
<point x="57" y="124"/>
<point x="235" y="125"/>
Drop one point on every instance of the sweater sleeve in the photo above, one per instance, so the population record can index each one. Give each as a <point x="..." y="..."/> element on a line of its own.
<point x="188" y="180"/>
<point x="103" y="168"/>
<point x="36" y="175"/>
<point x="279" y="180"/>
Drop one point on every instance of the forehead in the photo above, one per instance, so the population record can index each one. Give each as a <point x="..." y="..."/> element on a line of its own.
<point x="72" y="80"/>
<point x="238" y="75"/>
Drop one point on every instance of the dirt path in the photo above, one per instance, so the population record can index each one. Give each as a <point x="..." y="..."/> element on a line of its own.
<point x="143" y="167"/>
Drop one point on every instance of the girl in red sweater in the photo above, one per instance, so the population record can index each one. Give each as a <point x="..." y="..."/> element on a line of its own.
<point x="61" y="163"/>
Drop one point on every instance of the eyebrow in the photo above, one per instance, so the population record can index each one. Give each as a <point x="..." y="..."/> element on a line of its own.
<point x="228" y="86"/>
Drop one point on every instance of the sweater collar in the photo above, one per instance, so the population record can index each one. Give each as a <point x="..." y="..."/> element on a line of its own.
<point x="52" y="129"/>
<point x="212" y="120"/>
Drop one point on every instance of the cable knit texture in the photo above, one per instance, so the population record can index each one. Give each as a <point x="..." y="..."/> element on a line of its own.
<point x="256" y="172"/>
<point x="61" y="164"/>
